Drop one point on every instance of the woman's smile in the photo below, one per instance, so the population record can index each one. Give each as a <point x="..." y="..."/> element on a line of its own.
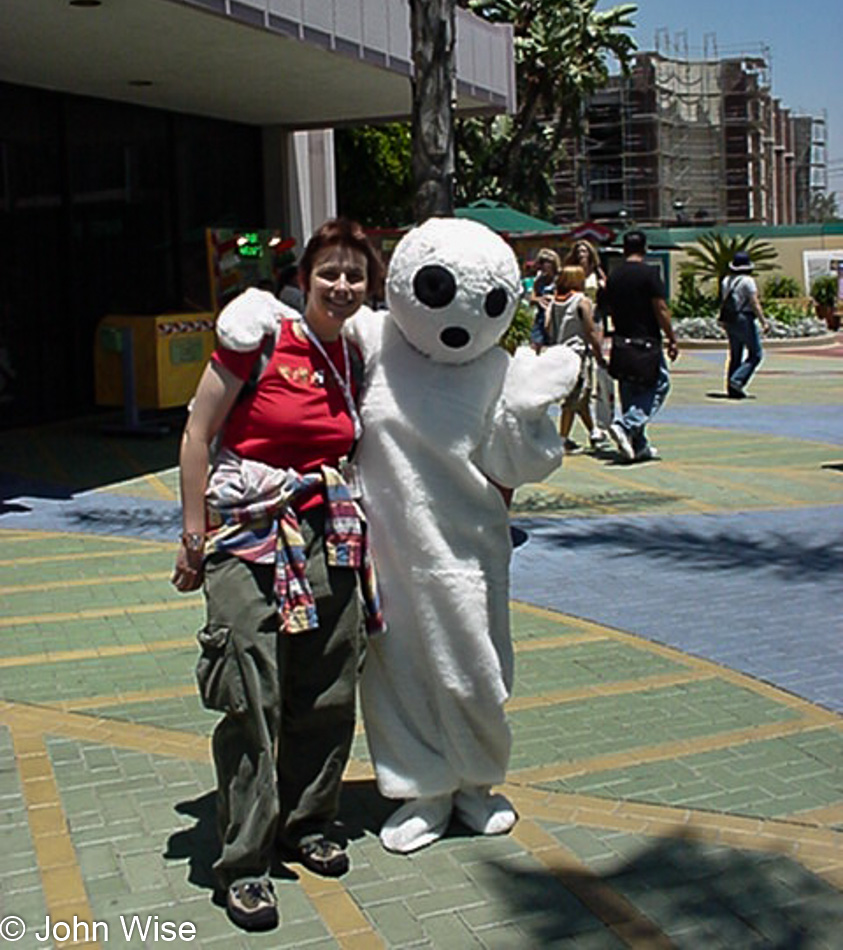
<point x="338" y="287"/>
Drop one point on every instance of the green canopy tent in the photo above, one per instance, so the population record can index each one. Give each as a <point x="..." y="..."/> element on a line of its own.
<point x="505" y="220"/>
<point x="525" y="233"/>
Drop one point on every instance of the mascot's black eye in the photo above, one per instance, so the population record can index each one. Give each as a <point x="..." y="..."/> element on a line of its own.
<point x="496" y="302"/>
<point x="435" y="286"/>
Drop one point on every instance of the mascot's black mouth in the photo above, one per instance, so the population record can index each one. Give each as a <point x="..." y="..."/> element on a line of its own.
<point x="455" y="337"/>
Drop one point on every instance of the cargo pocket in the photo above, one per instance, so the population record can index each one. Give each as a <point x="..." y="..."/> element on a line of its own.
<point x="218" y="671"/>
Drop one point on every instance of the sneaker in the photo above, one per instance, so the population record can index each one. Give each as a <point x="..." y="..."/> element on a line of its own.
<point x="621" y="440"/>
<point x="251" y="903"/>
<point x="598" y="438"/>
<point x="734" y="393"/>
<point x="572" y="447"/>
<point x="648" y="454"/>
<point x="325" y="857"/>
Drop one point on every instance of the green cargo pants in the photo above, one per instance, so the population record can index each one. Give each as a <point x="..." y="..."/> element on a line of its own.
<point x="282" y="747"/>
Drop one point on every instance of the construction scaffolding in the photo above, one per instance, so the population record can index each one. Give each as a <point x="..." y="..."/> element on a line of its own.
<point x="811" y="163"/>
<point x="684" y="140"/>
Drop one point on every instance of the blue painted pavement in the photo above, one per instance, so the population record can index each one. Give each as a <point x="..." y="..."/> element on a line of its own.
<point x="759" y="592"/>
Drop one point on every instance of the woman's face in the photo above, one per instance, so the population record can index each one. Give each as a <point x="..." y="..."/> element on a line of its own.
<point x="336" y="290"/>
<point x="583" y="257"/>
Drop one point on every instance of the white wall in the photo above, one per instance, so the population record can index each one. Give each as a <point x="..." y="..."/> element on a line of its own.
<point x="299" y="181"/>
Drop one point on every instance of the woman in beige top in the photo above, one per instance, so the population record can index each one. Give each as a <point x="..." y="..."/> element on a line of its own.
<point x="570" y="319"/>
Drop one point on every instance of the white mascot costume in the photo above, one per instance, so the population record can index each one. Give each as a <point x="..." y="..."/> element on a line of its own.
<point x="448" y="417"/>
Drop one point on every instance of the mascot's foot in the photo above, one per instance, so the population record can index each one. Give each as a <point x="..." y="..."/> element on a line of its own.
<point x="416" y="824"/>
<point x="483" y="812"/>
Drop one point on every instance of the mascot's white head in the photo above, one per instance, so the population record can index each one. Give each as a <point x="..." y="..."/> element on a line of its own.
<point x="452" y="288"/>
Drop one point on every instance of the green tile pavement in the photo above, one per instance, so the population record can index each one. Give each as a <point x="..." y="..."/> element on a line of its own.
<point x="20" y="882"/>
<point x="183" y="714"/>
<point x="586" y="664"/>
<point x="607" y="724"/>
<point x="766" y="779"/>
<point x="701" y="469"/>
<point x="533" y="624"/>
<point x="44" y="682"/>
<point x="710" y="804"/>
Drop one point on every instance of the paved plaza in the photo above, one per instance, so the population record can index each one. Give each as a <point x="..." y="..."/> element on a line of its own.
<point x="677" y="715"/>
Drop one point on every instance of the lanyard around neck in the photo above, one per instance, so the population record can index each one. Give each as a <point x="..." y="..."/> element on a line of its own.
<point x="343" y="382"/>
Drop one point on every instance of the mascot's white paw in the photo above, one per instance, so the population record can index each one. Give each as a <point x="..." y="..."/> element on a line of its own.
<point x="483" y="812"/>
<point x="535" y="382"/>
<point x="251" y="316"/>
<point x="416" y="823"/>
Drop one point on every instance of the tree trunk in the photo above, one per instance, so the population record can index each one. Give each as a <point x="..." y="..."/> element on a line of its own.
<point x="432" y="25"/>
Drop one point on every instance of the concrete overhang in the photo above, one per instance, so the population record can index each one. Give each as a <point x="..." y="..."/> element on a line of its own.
<point x="294" y="63"/>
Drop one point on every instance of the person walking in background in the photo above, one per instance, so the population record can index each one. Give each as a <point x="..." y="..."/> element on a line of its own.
<point x="569" y="318"/>
<point x="583" y="254"/>
<point x="541" y="296"/>
<point x="742" y="331"/>
<point x="288" y="290"/>
<point x="274" y="531"/>
<point x="529" y="278"/>
<point x="636" y="300"/>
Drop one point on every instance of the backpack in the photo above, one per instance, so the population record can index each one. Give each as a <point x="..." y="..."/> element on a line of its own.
<point x="728" y="307"/>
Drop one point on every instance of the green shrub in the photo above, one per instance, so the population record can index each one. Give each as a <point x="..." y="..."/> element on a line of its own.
<point x="824" y="290"/>
<point x="784" y="312"/>
<point x="519" y="330"/>
<point x="691" y="301"/>
<point x="781" y="286"/>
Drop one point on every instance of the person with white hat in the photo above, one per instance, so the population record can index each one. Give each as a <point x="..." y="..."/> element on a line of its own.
<point x="745" y="350"/>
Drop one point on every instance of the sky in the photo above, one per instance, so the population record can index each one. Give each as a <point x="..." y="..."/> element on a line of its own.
<point x="805" y="54"/>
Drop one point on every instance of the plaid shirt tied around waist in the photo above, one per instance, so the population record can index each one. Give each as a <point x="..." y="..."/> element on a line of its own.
<point x="251" y="515"/>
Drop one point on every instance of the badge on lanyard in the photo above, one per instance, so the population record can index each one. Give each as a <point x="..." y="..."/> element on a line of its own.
<point x="348" y="470"/>
<point x="343" y="383"/>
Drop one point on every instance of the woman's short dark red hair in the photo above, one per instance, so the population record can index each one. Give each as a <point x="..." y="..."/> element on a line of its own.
<point x="347" y="233"/>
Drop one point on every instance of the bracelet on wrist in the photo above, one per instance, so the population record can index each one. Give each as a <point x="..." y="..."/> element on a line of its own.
<point x="193" y="540"/>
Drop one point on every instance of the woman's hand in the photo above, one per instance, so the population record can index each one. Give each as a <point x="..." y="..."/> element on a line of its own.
<point x="215" y="395"/>
<point x="189" y="571"/>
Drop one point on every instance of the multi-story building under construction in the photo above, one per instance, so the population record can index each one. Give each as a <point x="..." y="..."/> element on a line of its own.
<point x="692" y="141"/>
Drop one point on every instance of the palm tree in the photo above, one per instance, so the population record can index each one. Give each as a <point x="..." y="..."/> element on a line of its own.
<point x="561" y="51"/>
<point x="432" y="28"/>
<point x="710" y="260"/>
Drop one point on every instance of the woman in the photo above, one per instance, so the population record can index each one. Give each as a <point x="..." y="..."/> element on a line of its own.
<point x="570" y="318"/>
<point x="583" y="254"/>
<point x="283" y="641"/>
<point x="744" y="335"/>
<point x="541" y="295"/>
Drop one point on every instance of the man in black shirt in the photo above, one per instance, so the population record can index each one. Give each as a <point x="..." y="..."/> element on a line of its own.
<point x="635" y="297"/>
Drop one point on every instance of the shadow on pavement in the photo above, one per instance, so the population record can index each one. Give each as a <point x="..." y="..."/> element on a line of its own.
<point x="362" y="810"/>
<point x="63" y="459"/>
<point x="720" y="551"/>
<point x="199" y="843"/>
<point x="135" y="521"/>
<point x="699" y="894"/>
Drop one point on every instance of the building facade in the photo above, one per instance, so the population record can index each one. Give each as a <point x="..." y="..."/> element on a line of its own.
<point x="129" y="128"/>
<point x="692" y="141"/>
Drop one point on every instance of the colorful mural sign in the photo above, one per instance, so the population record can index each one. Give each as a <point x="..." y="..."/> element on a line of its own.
<point x="238" y="259"/>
